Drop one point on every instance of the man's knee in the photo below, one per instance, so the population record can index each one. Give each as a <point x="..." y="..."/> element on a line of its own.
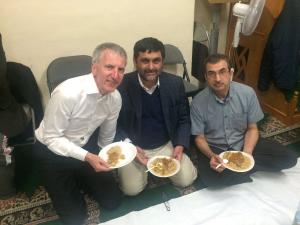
<point x="290" y="159"/>
<point x="132" y="189"/>
<point x="133" y="179"/>
<point x="187" y="174"/>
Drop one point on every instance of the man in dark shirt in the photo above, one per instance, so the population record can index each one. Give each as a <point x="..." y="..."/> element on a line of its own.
<point x="154" y="116"/>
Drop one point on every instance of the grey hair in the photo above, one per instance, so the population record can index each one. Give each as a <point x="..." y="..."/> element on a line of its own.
<point x="111" y="46"/>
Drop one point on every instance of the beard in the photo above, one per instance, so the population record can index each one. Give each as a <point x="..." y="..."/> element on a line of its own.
<point x="149" y="75"/>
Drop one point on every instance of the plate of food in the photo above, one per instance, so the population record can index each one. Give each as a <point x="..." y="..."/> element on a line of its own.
<point x="163" y="166"/>
<point x="118" y="154"/>
<point x="238" y="161"/>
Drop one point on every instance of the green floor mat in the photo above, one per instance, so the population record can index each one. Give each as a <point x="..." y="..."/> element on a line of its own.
<point x="147" y="198"/>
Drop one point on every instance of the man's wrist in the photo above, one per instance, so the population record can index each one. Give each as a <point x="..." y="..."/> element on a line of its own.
<point x="248" y="151"/>
<point x="211" y="154"/>
<point x="87" y="156"/>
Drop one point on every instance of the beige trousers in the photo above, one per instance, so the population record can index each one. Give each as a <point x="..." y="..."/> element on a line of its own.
<point x="133" y="178"/>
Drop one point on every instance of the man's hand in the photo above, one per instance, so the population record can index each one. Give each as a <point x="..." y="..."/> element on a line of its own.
<point x="215" y="160"/>
<point x="177" y="152"/>
<point x="141" y="156"/>
<point x="96" y="162"/>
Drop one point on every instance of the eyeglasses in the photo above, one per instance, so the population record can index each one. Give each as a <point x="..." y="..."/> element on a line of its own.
<point x="221" y="73"/>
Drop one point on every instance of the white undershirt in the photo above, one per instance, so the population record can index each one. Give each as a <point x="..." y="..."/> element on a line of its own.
<point x="148" y="90"/>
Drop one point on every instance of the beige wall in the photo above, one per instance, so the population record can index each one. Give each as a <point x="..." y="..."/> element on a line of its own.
<point x="37" y="31"/>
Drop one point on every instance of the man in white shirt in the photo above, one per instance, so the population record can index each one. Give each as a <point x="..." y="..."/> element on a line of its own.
<point x="68" y="136"/>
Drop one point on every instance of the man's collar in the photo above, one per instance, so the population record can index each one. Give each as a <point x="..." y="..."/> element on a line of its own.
<point x="228" y="96"/>
<point x="148" y="90"/>
<point x="91" y="88"/>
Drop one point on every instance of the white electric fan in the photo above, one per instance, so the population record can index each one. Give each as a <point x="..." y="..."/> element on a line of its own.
<point x="247" y="18"/>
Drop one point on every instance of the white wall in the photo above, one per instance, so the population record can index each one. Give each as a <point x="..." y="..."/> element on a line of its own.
<point x="35" y="32"/>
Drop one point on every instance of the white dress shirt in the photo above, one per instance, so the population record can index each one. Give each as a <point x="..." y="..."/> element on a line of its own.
<point x="75" y="110"/>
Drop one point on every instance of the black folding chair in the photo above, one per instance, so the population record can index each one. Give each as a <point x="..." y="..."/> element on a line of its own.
<point x="63" y="68"/>
<point x="175" y="57"/>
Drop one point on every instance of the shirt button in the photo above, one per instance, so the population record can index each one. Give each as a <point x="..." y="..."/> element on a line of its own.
<point x="82" y="138"/>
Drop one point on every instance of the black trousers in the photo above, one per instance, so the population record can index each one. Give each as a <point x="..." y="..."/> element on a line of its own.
<point x="67" y="179"/>
<point x="268" y="156"/>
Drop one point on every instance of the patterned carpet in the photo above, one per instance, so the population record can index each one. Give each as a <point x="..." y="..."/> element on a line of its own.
<point x="37" y="209"/>
<point x="273" y="129"/>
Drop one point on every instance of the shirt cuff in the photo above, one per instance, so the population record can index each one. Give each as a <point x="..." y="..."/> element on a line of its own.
<point x="79" y="153"/>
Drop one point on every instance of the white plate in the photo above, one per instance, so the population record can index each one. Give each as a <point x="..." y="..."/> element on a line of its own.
<point x="151" y="160"/>
<point x="250" y="157"/>
<point x="128" y="150"/>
